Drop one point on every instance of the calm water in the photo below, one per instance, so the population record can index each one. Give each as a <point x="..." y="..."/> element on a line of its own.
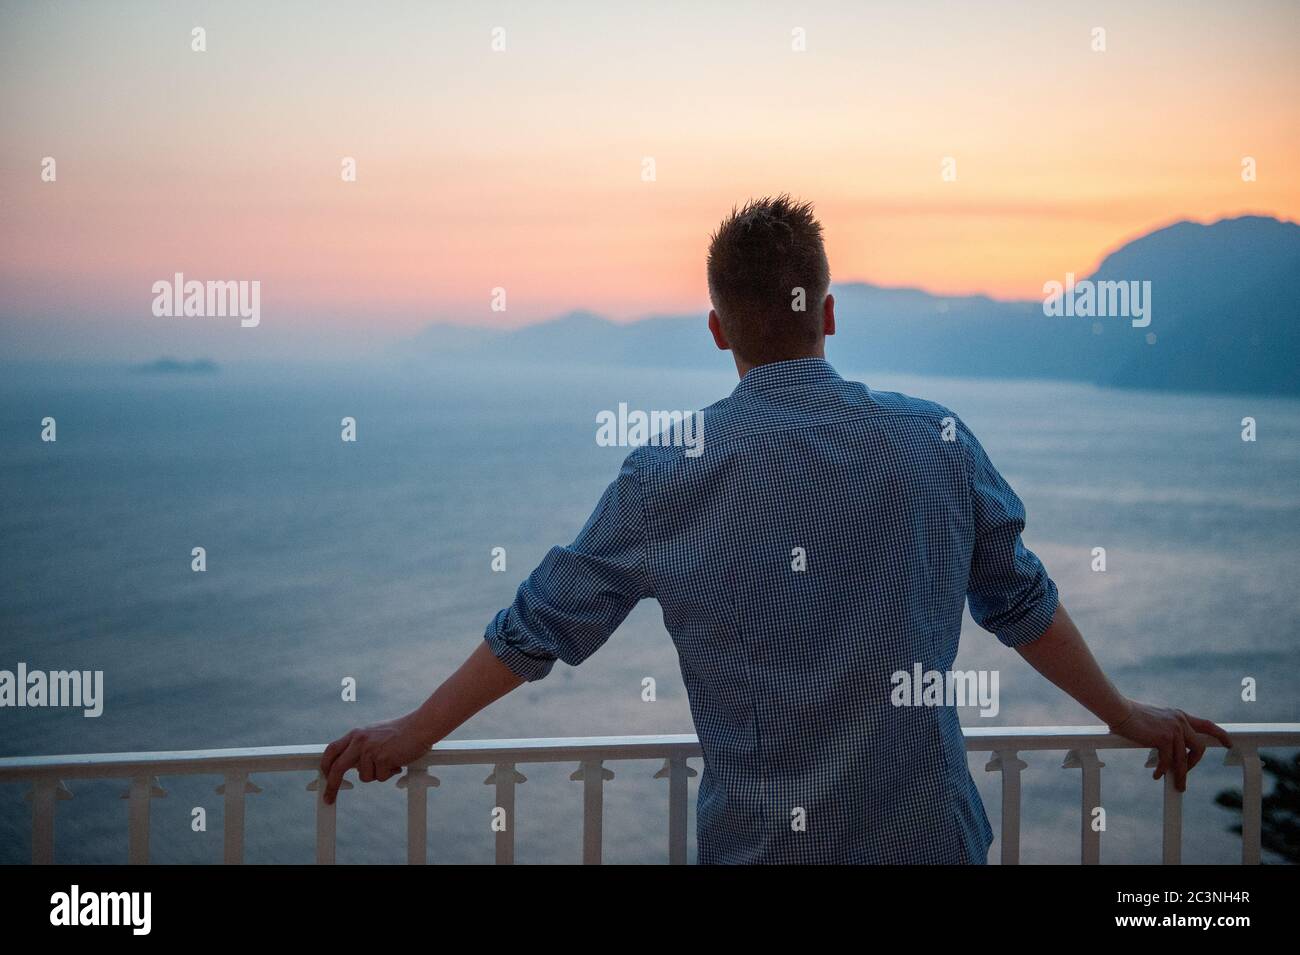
<point x="372" y="560"/>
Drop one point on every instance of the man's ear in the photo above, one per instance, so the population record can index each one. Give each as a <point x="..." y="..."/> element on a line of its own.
<point x="715" y="327"/>
<point x="828" y="315"/>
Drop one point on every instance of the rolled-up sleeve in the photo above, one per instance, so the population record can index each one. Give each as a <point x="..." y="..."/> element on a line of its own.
<point x="579" y="594"/>
<point x="1009" y="590"/>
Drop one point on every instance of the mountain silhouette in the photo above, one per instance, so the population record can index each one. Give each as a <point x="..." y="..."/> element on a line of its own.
<point x="1221" y="319"/>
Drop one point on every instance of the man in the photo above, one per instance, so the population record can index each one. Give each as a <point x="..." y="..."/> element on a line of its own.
<point x="827" y="537"/>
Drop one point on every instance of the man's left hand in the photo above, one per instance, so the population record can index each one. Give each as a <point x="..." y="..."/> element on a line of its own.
<point x="378" y="752"/>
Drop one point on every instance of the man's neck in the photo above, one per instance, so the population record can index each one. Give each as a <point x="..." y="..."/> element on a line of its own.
<point x="742" y="366"/>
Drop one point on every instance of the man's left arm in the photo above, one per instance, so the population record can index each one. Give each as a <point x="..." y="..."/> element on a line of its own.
<point x="381" y="750"/>
<point x="565" y="610"/>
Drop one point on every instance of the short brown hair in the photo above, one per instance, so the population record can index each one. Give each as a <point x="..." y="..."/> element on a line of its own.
<point x="758" y="257"/>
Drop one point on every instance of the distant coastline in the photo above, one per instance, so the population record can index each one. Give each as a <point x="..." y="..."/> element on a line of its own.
<point x="1218" y="316"/>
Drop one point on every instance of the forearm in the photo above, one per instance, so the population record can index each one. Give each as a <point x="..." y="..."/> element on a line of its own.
<point x="482" y="679"/>
<point x="1063" y="657"/>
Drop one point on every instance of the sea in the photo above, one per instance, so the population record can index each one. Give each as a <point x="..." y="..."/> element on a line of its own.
<point x="372" y="561"/>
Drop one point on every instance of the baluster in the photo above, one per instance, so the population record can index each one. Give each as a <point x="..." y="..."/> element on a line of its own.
<point x="1171" y="852"/>
<point x="1091" y="766"/>
<point x="141" y="790"/>
<point x="417" y="783"/>
<point x="325" y="819"/>
<point x="1010" y="765"/>
<point x="592" y="775"/>
<point x="236" y="786"/>
<point x="677" y="772"/>
<point x="1246" y="755"/>
<point x="505" y="777"/>
<point x="43" y="796"/>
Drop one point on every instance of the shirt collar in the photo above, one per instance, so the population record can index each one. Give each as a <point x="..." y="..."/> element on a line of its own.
<point x="781" y="375"/>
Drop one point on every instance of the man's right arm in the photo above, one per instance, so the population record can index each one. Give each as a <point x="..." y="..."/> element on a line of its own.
<point x="1011" y="594"/>
<point x="1063" y="657"/>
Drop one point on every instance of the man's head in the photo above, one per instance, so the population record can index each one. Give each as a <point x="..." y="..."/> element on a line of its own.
<point x="769" y="281"/>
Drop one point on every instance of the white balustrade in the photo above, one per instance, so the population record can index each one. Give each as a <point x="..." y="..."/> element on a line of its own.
<point x="1005" y="745"/>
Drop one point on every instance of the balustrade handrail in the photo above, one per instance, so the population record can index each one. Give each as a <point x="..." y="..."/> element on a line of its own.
<point x="1080" y="743"/>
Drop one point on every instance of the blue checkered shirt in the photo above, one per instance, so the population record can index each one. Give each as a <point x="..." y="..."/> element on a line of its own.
<point x="900" y="518"/>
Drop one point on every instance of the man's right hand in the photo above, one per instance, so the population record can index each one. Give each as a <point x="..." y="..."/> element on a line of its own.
<point x="1173" y="734"/>
<point x="1061" y="654"/>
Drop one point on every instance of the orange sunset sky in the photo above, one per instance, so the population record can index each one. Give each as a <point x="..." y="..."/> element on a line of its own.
<point x="523" y="168"/>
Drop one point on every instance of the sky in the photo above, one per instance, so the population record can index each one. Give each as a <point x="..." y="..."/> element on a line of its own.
<point x="524" y="168"/>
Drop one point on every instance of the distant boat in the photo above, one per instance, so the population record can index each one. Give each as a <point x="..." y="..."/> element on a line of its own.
<point x="174" y="366"/>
